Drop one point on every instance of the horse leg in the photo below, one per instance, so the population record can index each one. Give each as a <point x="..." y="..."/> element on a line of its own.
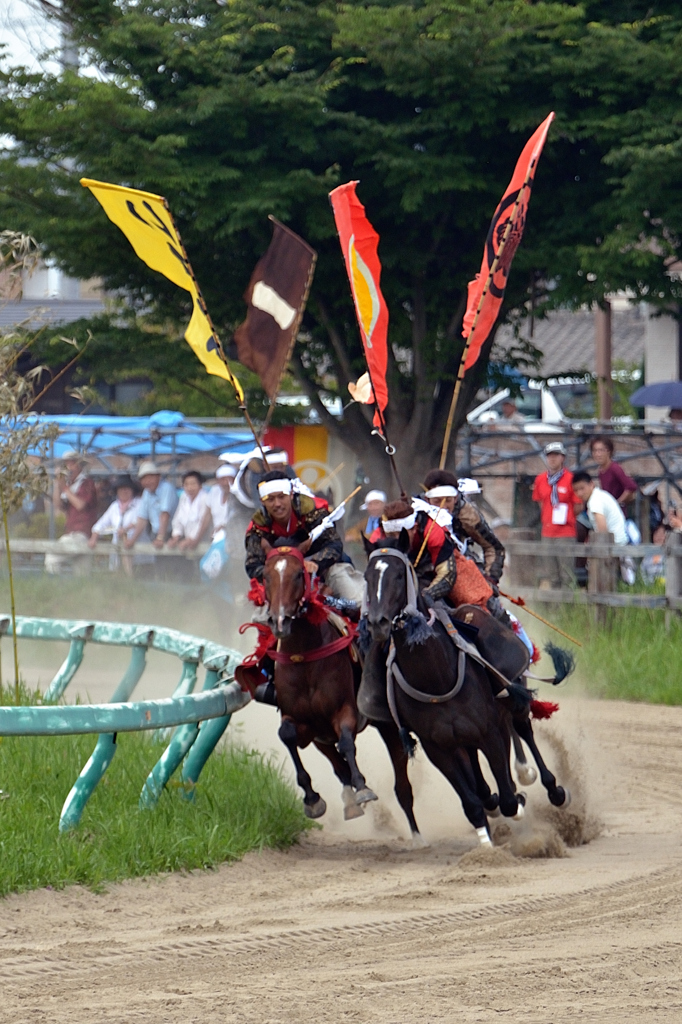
<point x="351" y="809"/>
<point x="497" y="754"/>
<point x="558" y="796"/>
<point x="346" y="747"/>
<point x="451" y="763"/>
<point x="403" y="787"/>
<point x="491" y="801"/>
<point x="525" y="772"/>
<point x="313" y="803"/>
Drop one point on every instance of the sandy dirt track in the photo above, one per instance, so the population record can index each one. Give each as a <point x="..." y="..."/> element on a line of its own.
<point x="362" y="929"/>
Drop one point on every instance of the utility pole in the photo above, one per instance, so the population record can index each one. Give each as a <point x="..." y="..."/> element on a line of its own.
<point x="602" y="343"/>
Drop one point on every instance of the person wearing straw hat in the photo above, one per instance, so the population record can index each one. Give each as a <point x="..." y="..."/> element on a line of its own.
<point x="119" y="520"/>
<point x="74" y="493"/>
<point x="157" y="506"/>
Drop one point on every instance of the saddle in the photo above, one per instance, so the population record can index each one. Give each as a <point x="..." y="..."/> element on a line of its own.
<point x="496" y="643"/>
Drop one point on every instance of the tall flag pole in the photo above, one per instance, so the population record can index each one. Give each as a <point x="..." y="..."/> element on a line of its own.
<point x="359" y="245"/>
<point x="276" y="299"/>
<point x="146" y="221"/>
<point x="486" y="291"/>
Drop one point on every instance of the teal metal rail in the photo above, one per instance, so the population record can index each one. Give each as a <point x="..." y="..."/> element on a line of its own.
<point x="199" y="719"/>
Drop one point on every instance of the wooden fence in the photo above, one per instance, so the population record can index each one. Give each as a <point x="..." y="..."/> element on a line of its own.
<point x="524" y="569"/>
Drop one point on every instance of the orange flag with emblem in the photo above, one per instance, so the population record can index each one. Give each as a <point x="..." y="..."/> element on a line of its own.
<point x="359" y="243"/>
<point x="485" y="291"/>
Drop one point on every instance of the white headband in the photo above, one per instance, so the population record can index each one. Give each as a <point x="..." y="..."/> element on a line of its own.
<point x="396" y="525"/>
<point x="274" y="487"/>
<point x="443" y="491"/>
<point x="226" y="470"/>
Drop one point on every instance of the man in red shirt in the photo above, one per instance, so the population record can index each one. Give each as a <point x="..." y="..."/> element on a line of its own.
<point x="553" y="490"/>
<point x="74" y="493"/>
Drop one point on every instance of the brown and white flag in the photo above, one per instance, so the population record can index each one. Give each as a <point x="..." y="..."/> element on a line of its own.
<point x="276" y="298"/>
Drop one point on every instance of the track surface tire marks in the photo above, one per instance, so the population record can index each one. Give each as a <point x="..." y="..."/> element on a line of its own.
<point x="336" y="930"/>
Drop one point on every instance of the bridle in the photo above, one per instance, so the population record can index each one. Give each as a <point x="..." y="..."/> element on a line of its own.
<point x="410" y="609"/>
<point x="307" y="579"/>
<point x="399" y="621"/>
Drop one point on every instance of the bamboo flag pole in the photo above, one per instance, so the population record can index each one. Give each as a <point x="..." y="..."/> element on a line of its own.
<point x="520" y="603"/>
<point x="491" y="274"/>
<point x="427" y="534"/>
<point x="204" y="309"/>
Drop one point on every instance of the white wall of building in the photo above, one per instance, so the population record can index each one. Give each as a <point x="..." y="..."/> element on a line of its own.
<point x="661" y="356"/>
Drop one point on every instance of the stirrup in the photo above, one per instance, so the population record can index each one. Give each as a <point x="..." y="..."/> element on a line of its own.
<point x="265" y="693"/>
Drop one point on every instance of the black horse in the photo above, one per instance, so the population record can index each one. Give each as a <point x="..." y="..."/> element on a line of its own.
<point x="430" y="668"/>
<point x="510" y="656"/>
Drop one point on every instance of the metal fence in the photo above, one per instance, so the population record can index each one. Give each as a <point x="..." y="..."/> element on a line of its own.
<point x="200" y="719"/>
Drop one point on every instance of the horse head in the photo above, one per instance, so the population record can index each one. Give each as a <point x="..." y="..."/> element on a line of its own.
<point x="287" y="585"/>
<point x="386" y="577"/>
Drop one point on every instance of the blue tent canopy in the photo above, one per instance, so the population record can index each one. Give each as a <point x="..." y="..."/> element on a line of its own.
<point x="165" y="433"/>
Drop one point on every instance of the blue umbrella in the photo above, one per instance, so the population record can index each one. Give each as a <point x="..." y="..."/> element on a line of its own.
<point x="667" y="392"/>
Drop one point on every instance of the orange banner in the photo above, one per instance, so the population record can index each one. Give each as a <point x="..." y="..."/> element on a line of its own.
<point x="359" y="243"/>
<point x="485" y="291"/>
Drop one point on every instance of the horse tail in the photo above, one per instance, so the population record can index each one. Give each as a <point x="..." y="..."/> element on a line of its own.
<point x="520" y="698"/>
<point x="563" y="661"/>
<point x="408" y="741"/>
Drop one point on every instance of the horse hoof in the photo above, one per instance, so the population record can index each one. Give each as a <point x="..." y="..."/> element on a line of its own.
<point x="418" y="842"/>
<point x="351" y="811"/>
<point x="561" y="797"/>
<point x="520" y="808"/>
<point x="315" y="810"/>
<point x="363" y="796"/>
<point x="495" y="813"/>
<point x="484" y="837"/>
<point x="526" y="774"/>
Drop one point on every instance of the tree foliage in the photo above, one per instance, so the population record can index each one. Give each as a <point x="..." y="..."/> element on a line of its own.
<point x="240" y="109"/>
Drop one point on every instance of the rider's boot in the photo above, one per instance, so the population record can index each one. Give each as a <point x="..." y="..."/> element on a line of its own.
<point x="258" y="680"/>
<point x="372" y="699"/>
<point x="498" y="612"/>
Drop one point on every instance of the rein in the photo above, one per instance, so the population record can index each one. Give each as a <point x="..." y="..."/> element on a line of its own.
<point x="393" y="672"/>
<point x="314" y="609"/>
<point x="317" y="654"/>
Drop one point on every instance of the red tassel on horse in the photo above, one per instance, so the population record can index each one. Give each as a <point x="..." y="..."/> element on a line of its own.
<point x="542" y="708"/>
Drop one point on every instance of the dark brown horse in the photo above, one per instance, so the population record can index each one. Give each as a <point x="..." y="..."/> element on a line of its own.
<point x="316" y="681"/>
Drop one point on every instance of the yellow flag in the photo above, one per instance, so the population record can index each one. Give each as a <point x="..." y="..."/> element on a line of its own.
<point x="146" y="221"/>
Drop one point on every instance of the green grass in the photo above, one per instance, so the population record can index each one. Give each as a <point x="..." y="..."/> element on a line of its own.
<point x="242" y="803"/>
<point x="635" y="659"/>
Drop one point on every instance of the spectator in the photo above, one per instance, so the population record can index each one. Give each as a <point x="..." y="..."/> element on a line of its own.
<point x="73" y="493"/>
<point x="675" y="519"/>
<point x="119" y="520"/>
<point x="374" y="505"/>
<point x="188" y="521"/>
<point x="553" y="490"/>
<point x="157" y="506"/>
<point x="605" y="516"/>
<point x="511" y="417"/>
<point x="219" y="508"/>
<point x="612" y="478"/>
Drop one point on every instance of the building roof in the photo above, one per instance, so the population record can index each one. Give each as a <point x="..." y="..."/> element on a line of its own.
<point x="566" y="340"/>
<point x="35" y="313"/>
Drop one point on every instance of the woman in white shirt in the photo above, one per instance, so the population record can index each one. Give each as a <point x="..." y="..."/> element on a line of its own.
<point x="119" y="520"/>
<point x="189" y="515"/>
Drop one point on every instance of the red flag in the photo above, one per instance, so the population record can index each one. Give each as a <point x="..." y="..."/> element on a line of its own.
<point x="359" y="243"/>
<point x="519" y="189"/>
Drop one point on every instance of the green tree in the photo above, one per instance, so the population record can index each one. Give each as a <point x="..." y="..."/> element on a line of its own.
<point x="237" y="110"/>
